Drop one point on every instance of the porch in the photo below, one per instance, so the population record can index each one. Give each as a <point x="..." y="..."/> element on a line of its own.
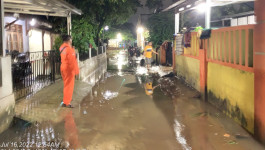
<point x="34" y="7"/>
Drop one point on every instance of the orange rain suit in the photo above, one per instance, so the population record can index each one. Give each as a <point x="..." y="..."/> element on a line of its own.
<point x="69" y="68"/>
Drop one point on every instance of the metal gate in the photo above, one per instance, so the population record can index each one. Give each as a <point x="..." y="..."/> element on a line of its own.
<point x="32" y="71"/>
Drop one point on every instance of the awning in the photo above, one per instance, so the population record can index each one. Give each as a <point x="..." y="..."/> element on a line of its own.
<point x="41" y="7"/>
<point x="182" y="5"/>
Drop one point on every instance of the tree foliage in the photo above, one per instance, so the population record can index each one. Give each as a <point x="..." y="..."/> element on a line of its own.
<point x="88" y="28"/>
<point x="161" y="27"/>
<point x="82" y="39"/>
<point x="106" y="12"/>
<point x="218" y="12"/>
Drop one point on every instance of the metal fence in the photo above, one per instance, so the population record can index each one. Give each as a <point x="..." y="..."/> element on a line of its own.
<point x="35" y="71"/>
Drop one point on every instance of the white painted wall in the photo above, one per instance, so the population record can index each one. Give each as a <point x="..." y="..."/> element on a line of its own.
<point x="47" y="41"/>
<point x="234" y="22"/>
<point x="7" y="99"/>
<point x="25" y="38"/>
<point x="243" y="21"/>
<point x="251" y="20"/>
<point x="35" y="40"/>
<point x="7" y="86"/>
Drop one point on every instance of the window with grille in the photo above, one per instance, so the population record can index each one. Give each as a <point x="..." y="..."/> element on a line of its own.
<point x="14" y="38"/>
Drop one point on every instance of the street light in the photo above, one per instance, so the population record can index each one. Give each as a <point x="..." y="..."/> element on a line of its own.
<point x="106" y="28"/>
<point x="203" y="7"/>
<point x="32" y="22"/>
<point x="119" y="37"/>
<point x="140" y="29"/>
<point x="206" y="8"/>
<point x="140" y="38"/>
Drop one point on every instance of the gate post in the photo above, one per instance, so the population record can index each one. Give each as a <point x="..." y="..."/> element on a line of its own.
<point x="203" y="73"/>
<point x="173" y="53"/>
<point x="53" y="65"/>
<point x="259" y="71"/>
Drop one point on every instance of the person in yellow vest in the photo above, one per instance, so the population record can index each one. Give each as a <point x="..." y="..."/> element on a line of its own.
<point x="148" y="53"/>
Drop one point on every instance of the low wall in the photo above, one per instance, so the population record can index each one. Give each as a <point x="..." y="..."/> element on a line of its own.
<point x="7" y="99"/>
<point x="92" y="69"/>
<point x="232" y="91"/>
<point x="189" y="69"/>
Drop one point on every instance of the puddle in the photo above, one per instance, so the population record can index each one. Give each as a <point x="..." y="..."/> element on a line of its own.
<point x="132" y="110"/>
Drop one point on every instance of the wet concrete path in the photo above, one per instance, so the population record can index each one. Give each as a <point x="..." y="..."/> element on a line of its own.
<point x="129" y="109"/>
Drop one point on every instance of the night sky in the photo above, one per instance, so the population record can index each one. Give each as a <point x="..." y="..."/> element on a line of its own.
<point x="145" y="10"/>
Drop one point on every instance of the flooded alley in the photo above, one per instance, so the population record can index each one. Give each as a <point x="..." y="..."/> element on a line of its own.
<point x="129" y="108"/>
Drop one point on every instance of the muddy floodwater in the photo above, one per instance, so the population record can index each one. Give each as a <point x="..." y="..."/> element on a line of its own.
<point x="132" y="108"/>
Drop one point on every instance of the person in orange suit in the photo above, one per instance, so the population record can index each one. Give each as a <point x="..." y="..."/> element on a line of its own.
<point x="69" y="68"/>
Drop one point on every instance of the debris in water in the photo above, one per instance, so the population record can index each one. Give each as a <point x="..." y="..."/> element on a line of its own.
<point x="108" y="95"/>
<point x="227" y="135"/>
<point x="171" y="74"/>
<point x="238" y="136"/>
<point x="85" y="112"/>
<point x="232" y="142"/>
<point x="200" y="114"/>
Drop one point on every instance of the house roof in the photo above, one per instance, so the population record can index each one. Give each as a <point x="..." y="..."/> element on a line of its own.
<point x="41" y="7"/>
<point x="190" y="4"/>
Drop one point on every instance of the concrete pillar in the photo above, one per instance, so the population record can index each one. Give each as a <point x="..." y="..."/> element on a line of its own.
<point x="259" y="70"/>
<point x="208" y="14"/>
<point x="203" y="73"/>
<point x="69" y="23"/>
<point x="90" y="54"/>
<point x="176" y="23"/>
<point x="173" y="53"/>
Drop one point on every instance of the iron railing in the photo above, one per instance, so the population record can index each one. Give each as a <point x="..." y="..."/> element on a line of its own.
<point x="35" y="71"/>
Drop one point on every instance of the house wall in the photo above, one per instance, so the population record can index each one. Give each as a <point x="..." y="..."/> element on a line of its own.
<point x="35" y="40"/>
<point x="243" y="21"/>
<point x="189" y="69"/>
<point x="225" y="70"/>
<point x="25" y="37"/>
<point x="232" y="91"/>
<point x="47" y="41"/>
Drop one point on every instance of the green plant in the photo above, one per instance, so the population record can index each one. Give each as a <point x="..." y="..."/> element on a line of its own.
<point x="161" y="27"/>
<point x="57" y="43"/>
<point x="83" y="34"/>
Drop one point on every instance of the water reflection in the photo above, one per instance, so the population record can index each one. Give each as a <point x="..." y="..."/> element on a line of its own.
<point x="149" y="88"/>
<point x="108" y="95"/>
<point x="178" y="128"/>
<point x="71" y="132"/>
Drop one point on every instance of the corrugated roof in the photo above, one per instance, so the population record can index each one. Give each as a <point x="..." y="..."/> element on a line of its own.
<point x="193" y="3"/>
